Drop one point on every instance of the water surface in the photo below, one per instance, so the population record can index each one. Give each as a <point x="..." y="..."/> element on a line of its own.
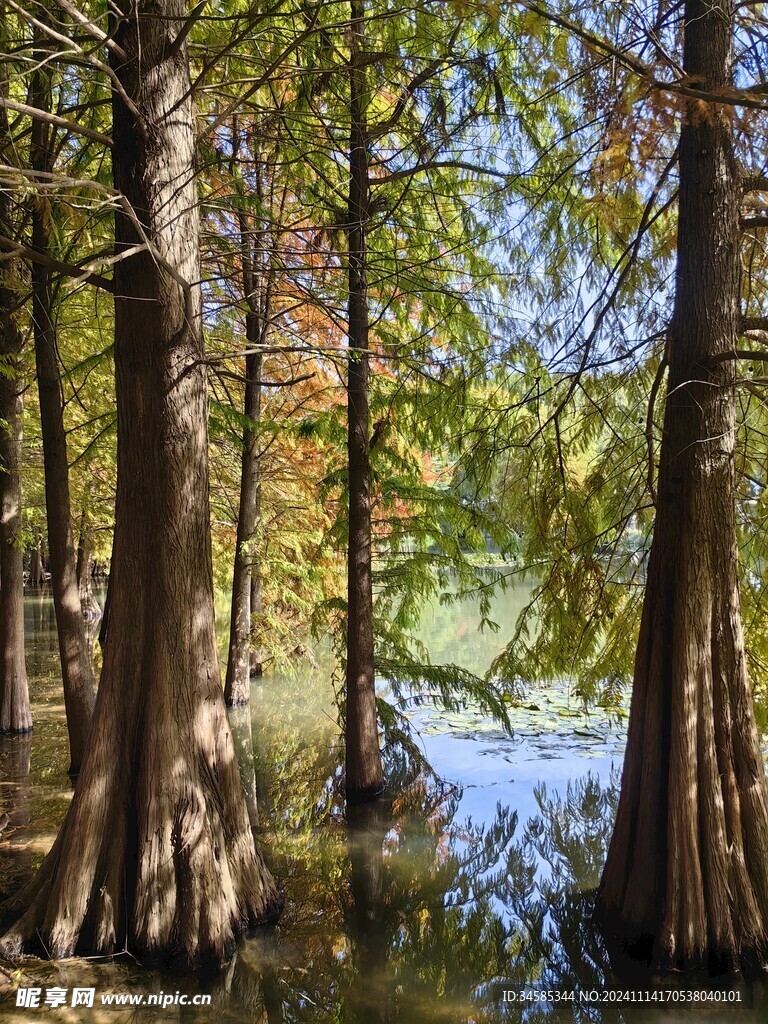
<point x="470" y="881"/>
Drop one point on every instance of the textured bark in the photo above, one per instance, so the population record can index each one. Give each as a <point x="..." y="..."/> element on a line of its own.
<point x="364" y="776"/>
<point x="88" y="604"/>
<point x="104" y="624"/>
<point x="237" y="687"/>
<point x="242" y="735"/>
<point x="76" y="666"/>
<point x="15" y="713"/>
<point x="257" y="591"/>
<point x="686" y="879"/>
<point x="156" y="852"/>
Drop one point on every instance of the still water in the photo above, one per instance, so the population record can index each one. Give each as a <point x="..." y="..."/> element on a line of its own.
<point x="471" y="881"/>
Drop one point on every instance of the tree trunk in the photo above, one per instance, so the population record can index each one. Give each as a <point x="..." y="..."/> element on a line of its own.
<point x="15" y="713"/>
<point x="36" y="578"/>
<point x="257" y="666"/>
<point x="88" y="605"/>
<point x="156" y="852"/>
<point x="237" y="687"/>
<point x="243" y="661"/>
<point x="686" y="879"/>
<point x="76" y="666"/>
<point x="104" y="624"/>
<point x="242" y="735"/>
<point x="364" y="776"/>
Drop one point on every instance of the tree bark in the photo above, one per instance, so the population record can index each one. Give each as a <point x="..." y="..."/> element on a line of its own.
<point x="76" y="666"/>
<point x="15" y="713"/>
<point x="686" y="879"/>
<point x="156" y="852"/>
<point x="257" y="590"/>
<point x="237" y="687"/>
<point x="88" y="605"/>
<point x="104" y="624"/>
<point x="364" y="776"/>
<point x="36" y="578"/>
<point x="242" y="735"/>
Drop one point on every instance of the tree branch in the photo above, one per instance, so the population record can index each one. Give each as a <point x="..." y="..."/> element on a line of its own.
<point x="459" y="165"/>
<point x="185" y="29"/>
<point x="754" y="183"/>
<point x="92" y="29"/>
<point x="68" y="269"/>
<point x="89" y="59"/>
<point x="753" y="323"/>
<point x="740" y="353"/>
<point x="730" y="97"/>
<point x="60" y="122"/>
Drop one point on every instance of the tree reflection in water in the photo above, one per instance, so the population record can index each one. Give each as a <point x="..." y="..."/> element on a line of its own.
<point x="406" y="912"/>
<point x="411" y="915"/>
<point x="15" y="833"/>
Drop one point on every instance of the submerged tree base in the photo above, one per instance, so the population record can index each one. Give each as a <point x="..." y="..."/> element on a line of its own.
<point x="636" y="957"/>
<point x="169" y="873"/>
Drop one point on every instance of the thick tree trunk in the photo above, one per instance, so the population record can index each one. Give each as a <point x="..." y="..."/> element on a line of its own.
<point x="156" y="852"/>
<point x="15" y="713"/>
<point x="686" y="879"/>
<point x="76" y="666"/>
<point x="364" y="776"/>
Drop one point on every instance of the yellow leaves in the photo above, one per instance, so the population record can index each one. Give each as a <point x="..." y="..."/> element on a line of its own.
<point x="613" y="160"/>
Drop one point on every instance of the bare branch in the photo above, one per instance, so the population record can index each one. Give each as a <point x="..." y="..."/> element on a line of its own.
<point x="186" y="28"/>
<point x="262" y="383"/>
<point x="730" y="96"/>
<point x="459" y="165"/>
<point x="92" y="29"/>
<point x="88" y="58"/>
<point x="60" y="122"/>
<point x="68" y="269"/>
<point x="753" y="323"/>
<point x="740" y="353"/>
<point x="754" y="183"/>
